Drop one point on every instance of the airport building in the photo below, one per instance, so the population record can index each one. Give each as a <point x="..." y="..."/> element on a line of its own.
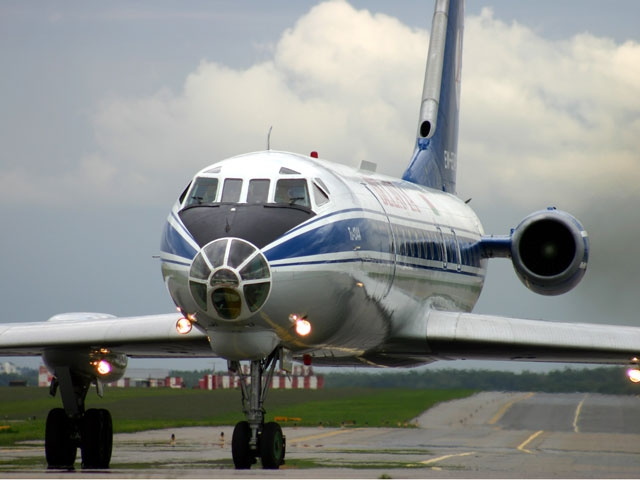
<point x="302" y="377"/>
<point x="135" y="377"/>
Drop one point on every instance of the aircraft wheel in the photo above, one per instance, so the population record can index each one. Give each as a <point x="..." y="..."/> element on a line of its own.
<point x="97" y="438"/>
<point x="59" y="445"/>
<point x="240" y="448"/>
<point x="272" y="446"/>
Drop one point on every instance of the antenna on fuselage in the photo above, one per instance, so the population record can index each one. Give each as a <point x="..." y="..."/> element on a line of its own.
<point x="269" y="138"/>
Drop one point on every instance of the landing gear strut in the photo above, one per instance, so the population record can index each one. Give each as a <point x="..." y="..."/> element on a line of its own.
<point x="252" y="438"/>
<point x="73" y="427"/>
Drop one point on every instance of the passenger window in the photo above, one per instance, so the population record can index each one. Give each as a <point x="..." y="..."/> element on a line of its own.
<point x="258" y="191"/>
<point x="203" y="192"/>
<point x="231" y="190"/>
<point x="293" y="192"/>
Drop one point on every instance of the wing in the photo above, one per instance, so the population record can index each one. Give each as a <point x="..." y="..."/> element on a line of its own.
<point x="146" y="336"/>
<point x="469" y="336"/>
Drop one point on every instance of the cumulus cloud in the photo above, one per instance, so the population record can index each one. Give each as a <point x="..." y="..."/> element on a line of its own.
<point x="540" y="118"/>
<point x="551" y="118"/>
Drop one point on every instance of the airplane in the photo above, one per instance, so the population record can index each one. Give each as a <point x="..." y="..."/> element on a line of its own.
<point x="273" y="257"/>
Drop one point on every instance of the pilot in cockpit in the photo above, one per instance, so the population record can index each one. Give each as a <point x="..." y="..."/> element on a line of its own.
<point x="292" y="192"/>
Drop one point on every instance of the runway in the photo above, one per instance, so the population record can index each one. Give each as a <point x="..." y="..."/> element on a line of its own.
<point x="489" y="435"/>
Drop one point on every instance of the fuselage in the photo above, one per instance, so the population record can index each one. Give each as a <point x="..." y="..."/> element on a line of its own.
<point x="260" y="240"/>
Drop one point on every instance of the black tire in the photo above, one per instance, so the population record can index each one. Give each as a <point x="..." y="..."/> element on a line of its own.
<point x="97" y="439"/>
<point x="240" y="448"/>
<point x="59" y="445"/>
<point x="272" y="446"/>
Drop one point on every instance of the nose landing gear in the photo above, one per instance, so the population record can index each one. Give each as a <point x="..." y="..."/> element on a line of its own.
<point x="253" y="438"/>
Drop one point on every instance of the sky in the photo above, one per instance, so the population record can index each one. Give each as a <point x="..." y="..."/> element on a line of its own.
<point x="109" y="109"/>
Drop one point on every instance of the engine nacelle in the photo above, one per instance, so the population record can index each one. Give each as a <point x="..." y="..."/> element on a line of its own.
<point x="550" y="250"/>
<point x="99" y="364"/>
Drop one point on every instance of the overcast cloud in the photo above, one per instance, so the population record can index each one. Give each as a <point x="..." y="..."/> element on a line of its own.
<point x="547" y="119"/>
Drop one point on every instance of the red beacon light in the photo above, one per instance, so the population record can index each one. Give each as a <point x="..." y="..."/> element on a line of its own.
<point x="313" y="154"/>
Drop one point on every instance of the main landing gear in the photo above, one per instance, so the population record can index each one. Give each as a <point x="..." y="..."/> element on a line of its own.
<point x="253" y="438"/>
<point x="73" y="427"/>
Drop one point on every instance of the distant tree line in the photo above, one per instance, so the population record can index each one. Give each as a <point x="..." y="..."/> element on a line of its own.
<point x="594" y="380"/>
<point x="598" y="380"/>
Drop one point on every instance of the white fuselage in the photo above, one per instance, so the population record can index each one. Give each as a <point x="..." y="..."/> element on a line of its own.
<point x="359" y="255"/>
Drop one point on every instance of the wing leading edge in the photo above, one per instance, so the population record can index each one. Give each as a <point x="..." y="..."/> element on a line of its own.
<point x="456" y="336"/>
<point x="144" y="336"/>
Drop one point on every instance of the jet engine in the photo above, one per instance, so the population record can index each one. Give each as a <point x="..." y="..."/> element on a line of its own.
<point x="549" y="251"/>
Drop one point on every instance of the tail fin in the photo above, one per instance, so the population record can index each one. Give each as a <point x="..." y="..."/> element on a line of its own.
<point x="435" y="157"/>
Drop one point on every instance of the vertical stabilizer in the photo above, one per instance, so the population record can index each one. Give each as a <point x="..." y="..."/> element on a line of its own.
<point x="435" y="157"/>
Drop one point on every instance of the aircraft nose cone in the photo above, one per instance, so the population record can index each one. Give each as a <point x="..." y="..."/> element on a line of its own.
<point x="230" y="279"/>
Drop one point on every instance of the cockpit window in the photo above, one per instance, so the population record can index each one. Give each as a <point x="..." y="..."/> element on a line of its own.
<point x="319" y="195"/>
<point x="231" y="190"/>
<point x="293" y="192"/>
<point x="258" y="191"/>
<point x="184" y="193"/>
<point x="204" y="191"/>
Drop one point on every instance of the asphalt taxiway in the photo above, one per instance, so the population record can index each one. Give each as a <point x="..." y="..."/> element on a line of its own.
<point x="488" y="435"/>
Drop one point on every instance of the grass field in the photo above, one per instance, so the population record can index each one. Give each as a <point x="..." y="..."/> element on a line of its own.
<point x="23" y="411"/>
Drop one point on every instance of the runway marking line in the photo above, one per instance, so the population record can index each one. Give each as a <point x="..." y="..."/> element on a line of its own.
<point x="529" y="440"/>
<point x="507" y="406"/>
<point x="577" y="415"/>
<point x="444" y="457"/>
<point x="324" y="435"/>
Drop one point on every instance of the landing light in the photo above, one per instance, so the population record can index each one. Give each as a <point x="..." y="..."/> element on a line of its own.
<point x="303" y="328"/>
<point x="634" y="375"/>
<point x="183" y="326"/>
<point x="300" y="324"/>
<point x="103" y="367"/>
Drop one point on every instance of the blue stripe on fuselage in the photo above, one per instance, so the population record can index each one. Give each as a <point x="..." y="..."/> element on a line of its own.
<point x="366" y="234"/>
<point x="400" y="263"/>
<point x="173" y="242"/>
<point x="339" y="236"/>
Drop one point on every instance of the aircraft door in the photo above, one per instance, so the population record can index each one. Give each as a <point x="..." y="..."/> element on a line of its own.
<point x="379" y="258"/>
<point x="443" y="248"/>
<point x="456" y="250"/>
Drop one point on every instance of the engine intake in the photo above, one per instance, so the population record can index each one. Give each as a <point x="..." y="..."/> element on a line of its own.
<point x="549" y="251"/>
